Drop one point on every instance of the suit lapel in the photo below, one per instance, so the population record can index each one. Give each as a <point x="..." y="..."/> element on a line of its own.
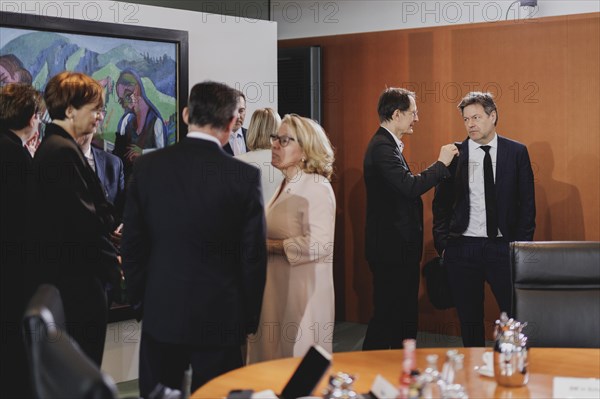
<point x="462" y="170"/>
<point x="100" y="164"/>
<point x="227" y="148"/>
<point x="404" y="161"/>
<point x="501" y="164"/>
<point x="399" y="153"/>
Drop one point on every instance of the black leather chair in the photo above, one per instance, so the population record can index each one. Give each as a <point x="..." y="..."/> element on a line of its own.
<point x="59" y="369"/>
<point x="557" y="291"/>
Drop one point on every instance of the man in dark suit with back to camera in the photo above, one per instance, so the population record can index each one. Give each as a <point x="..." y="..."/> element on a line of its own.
<point x="194" y="249"/>
<point x="394" y="230"/>
<point x="488" y="202"/>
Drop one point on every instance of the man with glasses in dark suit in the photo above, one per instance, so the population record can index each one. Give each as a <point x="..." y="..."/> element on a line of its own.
<point x="394" y="231"/>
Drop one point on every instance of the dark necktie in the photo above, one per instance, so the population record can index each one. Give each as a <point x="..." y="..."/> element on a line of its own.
<point x="491" y="213"/>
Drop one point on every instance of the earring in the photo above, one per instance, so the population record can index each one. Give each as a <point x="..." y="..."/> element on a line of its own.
<point x="303" y="160"/>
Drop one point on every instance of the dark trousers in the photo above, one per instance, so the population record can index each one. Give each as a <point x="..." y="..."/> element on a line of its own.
<point x="14" y="367"/>
<point x="166" y="363"/>
<point x="471" y="261"/>
<point x="14" y="296"/>
<point x="86" y="314"/>
<point x="395" y="301"/>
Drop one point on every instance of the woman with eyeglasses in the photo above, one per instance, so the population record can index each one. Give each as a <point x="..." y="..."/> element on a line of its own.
<point x="264" y="123"/>
<point x="74" y="219"/>
<point x="298" y="302"/>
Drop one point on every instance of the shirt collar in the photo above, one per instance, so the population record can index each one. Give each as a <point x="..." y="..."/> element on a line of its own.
<point x="399" y="142"/>
<point x="203" y="136"/>
<point x="237" y="133"/>
<point x="494" y="143"/>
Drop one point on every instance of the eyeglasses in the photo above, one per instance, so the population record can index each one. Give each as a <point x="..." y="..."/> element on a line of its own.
<point x="100" y="112"/>
<point x="283" y="140"/>
<point x="414" y="113"/>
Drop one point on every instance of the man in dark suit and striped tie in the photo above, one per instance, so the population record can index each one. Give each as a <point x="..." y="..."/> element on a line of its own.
<point x="488" y="202"/>
<point x="394" y="231"/>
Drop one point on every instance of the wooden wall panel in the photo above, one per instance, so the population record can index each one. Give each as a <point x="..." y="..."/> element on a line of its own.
<point x="545" y="74"/>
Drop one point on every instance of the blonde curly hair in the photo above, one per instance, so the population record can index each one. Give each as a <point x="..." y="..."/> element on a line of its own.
<point x="315" y="144"/>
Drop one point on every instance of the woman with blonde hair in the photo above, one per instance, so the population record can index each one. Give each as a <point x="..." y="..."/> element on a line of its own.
<point x="298" y="303"/>
<point x="264" y="123"/>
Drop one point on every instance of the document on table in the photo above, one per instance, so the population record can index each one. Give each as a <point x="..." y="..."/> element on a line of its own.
<point x="580" y="388"/>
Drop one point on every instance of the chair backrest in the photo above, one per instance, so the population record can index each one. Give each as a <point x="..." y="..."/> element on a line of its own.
<point x="59" y="369"/>
<point x="557" y="291"/>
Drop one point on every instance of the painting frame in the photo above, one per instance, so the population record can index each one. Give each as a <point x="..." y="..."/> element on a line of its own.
<point x="98" y="31"/>
<point x="101" y="30"/>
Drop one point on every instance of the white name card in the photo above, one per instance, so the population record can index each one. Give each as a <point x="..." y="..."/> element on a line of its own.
<point x="382" y="388"/>
<point x="580" y="388"/>
<point x="267" y="394"/>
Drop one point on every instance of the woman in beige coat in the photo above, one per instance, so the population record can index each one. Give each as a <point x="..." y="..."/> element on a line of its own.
<point x="298" y="303"/>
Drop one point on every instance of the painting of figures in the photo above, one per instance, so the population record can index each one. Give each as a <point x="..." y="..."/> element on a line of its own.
<point x="141" y="77"/>
<point x="143" y="72"/>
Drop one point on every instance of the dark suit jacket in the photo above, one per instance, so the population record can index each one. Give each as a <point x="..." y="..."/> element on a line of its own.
<point x="394" y="206"/>
<point x="15" y="170"/>
<point x="227" y="147"/>
<point x="109" y="169"/>
<point x="74" y="219"/>
<point x="515" y="195"/>
<point x="194" y="244"/>
<point x="15" y="164"/>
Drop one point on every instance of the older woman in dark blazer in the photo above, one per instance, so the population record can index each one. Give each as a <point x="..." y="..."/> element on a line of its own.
<point x="75" y="219"/>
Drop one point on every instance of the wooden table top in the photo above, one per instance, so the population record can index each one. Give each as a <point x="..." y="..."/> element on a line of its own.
<point x="544" y="364"/>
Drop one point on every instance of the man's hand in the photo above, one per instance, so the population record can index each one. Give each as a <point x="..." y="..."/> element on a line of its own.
<point x="447" y="154"/>
<point x="33" y="143"/>
<point x="133" y="152"/>
<point x="117" y="235"/>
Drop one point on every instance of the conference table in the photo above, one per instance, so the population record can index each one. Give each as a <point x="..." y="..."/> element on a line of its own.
<point x="544" y="365"/>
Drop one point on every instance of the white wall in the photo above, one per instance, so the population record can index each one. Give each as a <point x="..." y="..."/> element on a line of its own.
<point x="309" y="18"/>
<point x="236" y="51"/>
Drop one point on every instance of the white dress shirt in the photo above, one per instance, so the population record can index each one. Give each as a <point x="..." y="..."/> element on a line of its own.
<point x="89" y="157"/>
<point x="477" y="218"/>
<point x="237" y="143"/>
<point x="396" y="139"/>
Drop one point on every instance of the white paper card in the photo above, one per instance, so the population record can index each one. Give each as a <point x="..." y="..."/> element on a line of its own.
<point x="268" y="394"/>
<point x="580" y="388"/>
<point x="382" y="388"/>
